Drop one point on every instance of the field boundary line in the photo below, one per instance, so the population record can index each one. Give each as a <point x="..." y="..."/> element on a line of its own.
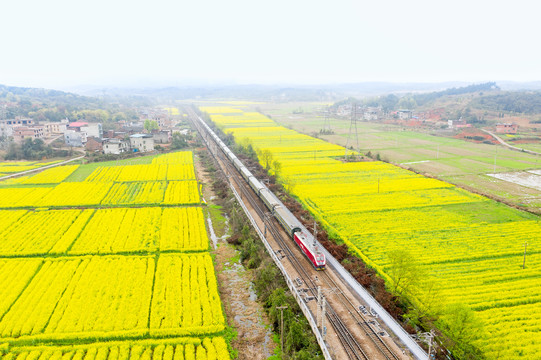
<point x="41" y="168"/>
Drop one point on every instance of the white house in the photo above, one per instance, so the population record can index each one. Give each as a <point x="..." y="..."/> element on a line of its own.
<point x="142" y="142"/>
<point x="115" y="146"/>
<point x="74" y="138"/>
<point x="94" y="130"/>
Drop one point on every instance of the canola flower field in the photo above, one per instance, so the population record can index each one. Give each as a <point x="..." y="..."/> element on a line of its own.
<point x="158" y="184"/>
<point x="10" y="167"/>
<point x="87" y="276"/>
<point x="169" y="349"/>
<point x="470" y="248"/>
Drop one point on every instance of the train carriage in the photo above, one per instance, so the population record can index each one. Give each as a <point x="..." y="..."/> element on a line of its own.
<point x="302" y="237"/>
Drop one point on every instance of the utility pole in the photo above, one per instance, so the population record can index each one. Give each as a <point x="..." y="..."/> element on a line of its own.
<point x="282" y="308"/>
<point x="353" y="125"/>
<point x="323" y="328"/>
<point x="319" y="296"/>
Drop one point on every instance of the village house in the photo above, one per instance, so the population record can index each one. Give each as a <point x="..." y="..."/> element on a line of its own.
<point x="20" y="122"/>
<point x="7" y="126"/>
<point x="142" y="142"/>
<point x="74" y="138"/>
<point x="506" y="128"/>
<point x="161" y="137"/>
<point x="27" y="132"/>
<point x="77" y="133"/>
<point x="93" y="144"/>
<point x="54" y="128"/>
<point x="458" y="124"/>
<point x="404" y="114"/>
<point x="115" y="146"/>
<point x="371" y="113"/>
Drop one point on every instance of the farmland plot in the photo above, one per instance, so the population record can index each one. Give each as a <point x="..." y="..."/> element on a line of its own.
<point x="110" y="297"/>
<point x="101" y="269"/>
<point x="214" y="348"/>
<point x="468" y="246"/>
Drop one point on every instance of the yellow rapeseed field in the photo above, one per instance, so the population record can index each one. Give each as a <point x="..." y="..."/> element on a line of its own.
<point x="79" y="262"/>
<point x="214" y="348"/>
<point x="469" y="249"/>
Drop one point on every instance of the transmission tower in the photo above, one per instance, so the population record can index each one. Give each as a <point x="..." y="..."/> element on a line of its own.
<point x="327" y="122"/>
<point x="352" y="128"/>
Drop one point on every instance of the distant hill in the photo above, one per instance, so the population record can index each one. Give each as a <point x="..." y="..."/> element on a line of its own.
<point x="519" y="86"/>
<point x="522" y="102"/>
<point x="422" y="99"/>
<point x="53" y="105"/>
<point x="286" y="92"/>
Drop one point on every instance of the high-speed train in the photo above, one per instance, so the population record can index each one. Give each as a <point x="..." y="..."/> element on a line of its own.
<point x="302" y="237"/>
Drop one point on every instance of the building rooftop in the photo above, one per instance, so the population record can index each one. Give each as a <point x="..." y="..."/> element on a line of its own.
<point x="78" y="124"/>
<point x="140" y="136"/>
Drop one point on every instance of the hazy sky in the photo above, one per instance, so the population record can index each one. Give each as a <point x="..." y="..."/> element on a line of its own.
<point x="59" y="43"/>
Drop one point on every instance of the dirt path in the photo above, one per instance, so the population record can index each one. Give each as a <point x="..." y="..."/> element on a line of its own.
<point x="243" y="312"/>
<point x="500" y="140"/>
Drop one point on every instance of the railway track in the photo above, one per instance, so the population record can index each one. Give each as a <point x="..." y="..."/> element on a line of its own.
<point x="347" y="336"/>
<point x="361" y="320"/>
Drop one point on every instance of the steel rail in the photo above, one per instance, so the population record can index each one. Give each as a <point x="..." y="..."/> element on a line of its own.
<point x="351" y="345"/>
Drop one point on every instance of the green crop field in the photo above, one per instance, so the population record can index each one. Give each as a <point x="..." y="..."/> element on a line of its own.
<point x="456" y="161"/>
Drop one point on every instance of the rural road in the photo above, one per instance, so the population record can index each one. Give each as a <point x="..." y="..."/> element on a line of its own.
<point x="509" y="146"/>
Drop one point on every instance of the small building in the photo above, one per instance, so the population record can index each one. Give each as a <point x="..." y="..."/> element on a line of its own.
<point x="77" y="125"/>
<point x="115" y="146"/>
<point x="506" y="128"/>
<point x="19" y="122"/>
<point x="142" y="142"/>
<point x="404" y="114"/>
<point x="94" y="144"/>
<point x="458" y="124"/>
<point x="94" y="130"/>
<point x="54" y="128"/>
<point x="371" y="113"/>
<point x="109" y="134"/>
<point x="7" y="126"/>
<point x="28" y="132"/>
<point x="74" y="138"/>
<point x="162" y="137"/>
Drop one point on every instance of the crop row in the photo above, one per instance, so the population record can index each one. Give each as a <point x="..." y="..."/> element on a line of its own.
<point x="13" y="167"/>
<point x="41" y="232"/>
<point x="102" y="231"/>
<point x="149" y="172"/>
<point x="15" y="276"/>
<point x="69" y="194"/>
<point x="54" y="175"/>
<point x="179" y="157"/>
<point x="387" y="201"/>
<point x="171" y="349"/>
<point x="451" y="244"/>
<point x="112" y="297"/>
